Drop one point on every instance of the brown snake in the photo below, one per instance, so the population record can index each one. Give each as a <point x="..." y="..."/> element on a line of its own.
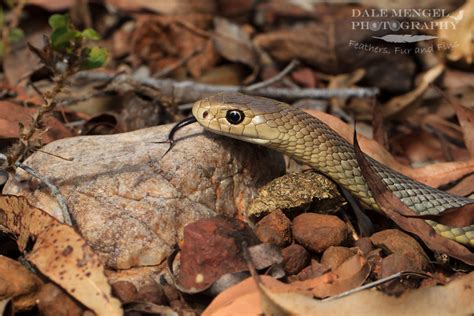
<point x="297" y="134"/>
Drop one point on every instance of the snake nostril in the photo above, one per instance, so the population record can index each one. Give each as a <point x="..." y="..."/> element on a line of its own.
<point x="205" y="114"/>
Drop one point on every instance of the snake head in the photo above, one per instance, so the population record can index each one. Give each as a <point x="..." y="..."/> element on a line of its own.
<point x="238" y="116"/>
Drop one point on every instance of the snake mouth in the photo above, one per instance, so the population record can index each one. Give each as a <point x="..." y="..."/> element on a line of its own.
<point x="254" y="140"/>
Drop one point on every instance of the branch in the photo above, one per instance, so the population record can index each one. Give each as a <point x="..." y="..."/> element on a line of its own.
<point x="190" y="91"/>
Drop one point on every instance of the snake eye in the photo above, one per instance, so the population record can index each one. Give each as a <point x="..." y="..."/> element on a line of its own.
<point x="235" y="116"/>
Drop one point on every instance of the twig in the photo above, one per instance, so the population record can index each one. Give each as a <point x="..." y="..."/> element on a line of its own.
<point x="54" y="191"/>
<point x="376" y="283"/>
<point x="189" y="91"/>
<point x="273" y="79"/>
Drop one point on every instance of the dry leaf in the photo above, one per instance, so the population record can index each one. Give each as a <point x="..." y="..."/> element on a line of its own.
<point x="466" y="120"/>
<point x="452" y="299"/>
<point x="12" y="114"/>
<point x="399" y="103"/>
<point x="458" y="41"/>
<point x="350" y="274"/>
<point x="456" y="217"/>
<point x="234" y="44"/>
<point x="403" y="216"/>
<point x="61" y="254"/>
<point x="18" y="283"/>
<point x="241" y="299"/>
<point x="455" y="298"/>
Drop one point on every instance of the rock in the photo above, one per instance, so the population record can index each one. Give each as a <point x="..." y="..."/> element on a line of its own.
<point x="130" y="203"/>
<point x="211" y="248"/>
<point x="393" y="264"/>
<point x="314" y="270"/>
<point x="275" y="228"/>
<point x="295" y="258"/>
<point x="396" y="241"/>
<point x="333" y="257"/>
<point x="296" y="190"/>
<point x="317" y="232"/>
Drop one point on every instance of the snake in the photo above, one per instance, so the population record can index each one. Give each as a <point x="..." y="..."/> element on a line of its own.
<point x="303" y="137"/>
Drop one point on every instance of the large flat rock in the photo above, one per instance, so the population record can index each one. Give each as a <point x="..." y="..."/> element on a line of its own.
<point x="130" y="203"/>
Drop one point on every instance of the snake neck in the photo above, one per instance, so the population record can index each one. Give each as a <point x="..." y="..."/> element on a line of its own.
<point x="312" y="142"/>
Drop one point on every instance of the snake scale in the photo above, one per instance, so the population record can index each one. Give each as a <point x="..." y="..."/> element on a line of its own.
<point x="303" y="137"/>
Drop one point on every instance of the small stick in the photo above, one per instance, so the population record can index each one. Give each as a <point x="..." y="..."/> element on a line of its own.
<point x="376" y="283"/>
<point x="273" y="79"/>
<point x="190" y="91"/>
<point x="54" y="191"/>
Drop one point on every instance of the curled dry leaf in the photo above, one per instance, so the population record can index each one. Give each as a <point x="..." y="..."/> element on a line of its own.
<point x="406" y="218"/>
<point x="434" y="175"/>
<point x="17" y="283"/>
<point x="350" y="274"/>
<point x="234" y="44"/>
<point x="399" y="103"/>
<point x="60" y="253"/>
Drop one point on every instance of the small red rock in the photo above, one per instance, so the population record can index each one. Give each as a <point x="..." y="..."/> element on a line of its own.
<point x="333" y="257"/>
<point x="275" y="228"/>
<point x="314" y="270"/>
<point x="295" y="258"/>
<point x="317" y="232"/>
<point x="395" y="263"/>
<point x="212" y="248"/>
<point x="396" y="241"/>
<point x="152" y="293"/>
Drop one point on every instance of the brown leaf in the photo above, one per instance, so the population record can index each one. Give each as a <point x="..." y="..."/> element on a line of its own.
<point x="466" y="120"/>
<point x="234" y="44"/>
<point x="457" y="216"/>
<point x="350" y="274"/>
<point x="392" y="207"/>
<point x="452" y="299"/>
<point x="19" y="283"/>
<point x="12" y="114"/>
<point x="60" y="253"/>
<point x="243" y="297"/>
<point x="399" y="103"/>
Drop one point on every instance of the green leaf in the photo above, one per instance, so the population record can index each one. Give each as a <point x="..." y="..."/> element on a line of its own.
<point x="90" y="34"/>
<point x="61" y="37"/>
<point x="57" y="21"/>
<point x="94" y="57"/>
<point x="15" y="35"/>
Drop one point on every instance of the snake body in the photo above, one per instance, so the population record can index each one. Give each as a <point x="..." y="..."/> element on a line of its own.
<point x="305" y="138"/>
